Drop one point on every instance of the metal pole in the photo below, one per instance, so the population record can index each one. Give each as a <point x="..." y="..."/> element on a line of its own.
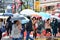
<point x="33" y="4"/>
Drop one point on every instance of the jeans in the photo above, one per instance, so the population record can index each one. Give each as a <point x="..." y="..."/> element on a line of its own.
<point x="27" y="36"/>
<point x="16" y="39"/>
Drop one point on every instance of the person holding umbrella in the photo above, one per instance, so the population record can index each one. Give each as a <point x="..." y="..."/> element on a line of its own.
<point x="16" y="31"/>
<point x="29" y="28"/>
<point x="9" y="26"/>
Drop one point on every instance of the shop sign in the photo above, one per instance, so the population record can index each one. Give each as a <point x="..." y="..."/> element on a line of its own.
<point x="37" y="5"/>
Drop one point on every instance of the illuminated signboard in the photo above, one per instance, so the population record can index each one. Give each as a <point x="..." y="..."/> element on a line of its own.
<point x="37" y="5"/>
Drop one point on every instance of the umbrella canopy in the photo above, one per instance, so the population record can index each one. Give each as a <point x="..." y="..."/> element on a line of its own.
<point x="35" y="15"/>
<point x="54" y="16"/>
<point x="3" y="17"/>
<point x="9" y="7"/>
<point x="1" y="14"/>
<point x="44" y="15"/>
<point x="57" y="14"/>
<point x="21" y="18"/>
<point x="27" y="12"/>
<point x="17" y="15"/>
<point x="7" y="14"/>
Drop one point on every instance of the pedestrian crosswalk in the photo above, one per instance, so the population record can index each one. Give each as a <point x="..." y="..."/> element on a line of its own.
<point x="47" y="39"/>
<point x="5" y="37"/>
<point x="34" y="39"/>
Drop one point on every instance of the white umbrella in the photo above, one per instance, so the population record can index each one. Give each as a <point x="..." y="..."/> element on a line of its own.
<point x="27" y="12"/>
<point x="54" y="16"/>
<point x="4" y="17"/>
<point x="57" y="14"/>
<point x="16" y="15"/>
<point x="1" y="14"/>
<point x="57" y="10"/>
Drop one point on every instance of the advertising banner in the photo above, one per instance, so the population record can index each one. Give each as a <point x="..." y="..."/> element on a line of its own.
<point x="37" y="5"/>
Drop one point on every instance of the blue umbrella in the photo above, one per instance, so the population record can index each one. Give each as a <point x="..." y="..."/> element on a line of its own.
<point x="44" y="15"/>
<point x="22" y="19"/>
<point x="7" y="14"/>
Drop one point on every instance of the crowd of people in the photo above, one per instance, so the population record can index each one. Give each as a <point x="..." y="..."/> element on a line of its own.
<point x="49" y="27"/>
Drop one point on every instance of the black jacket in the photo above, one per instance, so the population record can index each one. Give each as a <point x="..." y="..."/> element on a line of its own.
<point x="29" y="26"/>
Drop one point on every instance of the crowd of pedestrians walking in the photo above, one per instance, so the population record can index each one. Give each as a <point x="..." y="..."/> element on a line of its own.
<point x="49" y="27"/>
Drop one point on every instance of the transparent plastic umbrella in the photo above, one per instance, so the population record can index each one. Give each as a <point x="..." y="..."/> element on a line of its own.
<point x="27" y="12"/>
<point x="22" y="19"/>
<point x="7" y="14"/>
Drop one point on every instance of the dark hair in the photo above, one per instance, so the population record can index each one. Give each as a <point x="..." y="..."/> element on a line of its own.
<point x="1" y="20"/>
<point x="33" y="18"/>
<point x="54" y="19"/>
<point x="9" y="18"/>
<point x="48" y="19"/>
<point x="37" y="18"/>
<point x="15" y="21"/>
<point x="28" y="17"/>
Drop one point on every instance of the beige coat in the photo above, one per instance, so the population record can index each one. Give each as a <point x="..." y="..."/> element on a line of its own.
<point x="47" y="25"/>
